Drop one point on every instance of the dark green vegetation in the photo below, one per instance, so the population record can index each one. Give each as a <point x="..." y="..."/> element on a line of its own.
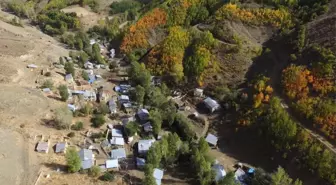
<point x="73" y="160"/>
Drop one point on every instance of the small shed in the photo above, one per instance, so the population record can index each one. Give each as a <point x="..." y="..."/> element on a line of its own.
<point x="123" y="99"/>
<point x="117" y="141"/>
<point x="144" y="145"/>
<point x="61" y="147"/>
<point x="69" y="78"/>
<point x="211" y="104"/>
<point x="211" y="139"/>
<point x="119" y="153"/>
<point x="158" y="175"/>
<point x="143" y="114"/>
<point x="42" y="147"/>
<point x="140" y="162"/>
<point x="198" y="92"/>
<point x="116" y="133"/>
<point x="46" y="90"/>
<point x="112" y="163"/>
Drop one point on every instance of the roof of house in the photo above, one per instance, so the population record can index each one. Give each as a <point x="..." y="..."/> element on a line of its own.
<point x="212" y="139"/>
<point x="60" y="147"/>
<point x="89" y="94"/>
<point x="140" y="161"/>
<point x="199" y="90"/>
<point x="72" y="107"/>
<point x="148" y="127"/>
<point x="116" y="133"/>
<point x="219" y="170"/>
<point x="68" y="77"/>
<point x="211" y="103"/>
<point x="32" y="66"/>
<point x="117" y="141"/>
<point x="123" y="97"/>
<point x="240" y="175"/>
<point x="85" y="154"/>
<point x="143" y="114"/>
<point x="144" y="145"/>
<point x="158" y="174"/>
<point x="42" y="146"/>
<point x="87" y="164"/>
<point x="46" y="90"/>
<point x="127" y="105"/>
<point x="112" y="163"/>
<point x="118" y="153"/>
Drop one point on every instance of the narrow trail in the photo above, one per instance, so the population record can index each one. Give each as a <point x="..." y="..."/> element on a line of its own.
<point x="280" y="62"/>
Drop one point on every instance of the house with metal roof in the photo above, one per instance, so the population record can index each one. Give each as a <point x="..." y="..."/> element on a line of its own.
<point x="87" y="158"/>
<point x="211" y="139"/>
<point x="61" y="147"/>
<point x="112" y="163"/>
<point x="219" y="172"/>
<point x="69" y="78"/>
<point x="42" y="147"/>
<point x="88" y="65"/>
<point x="117" y="141"/>
<point x="116" y="133"/>
<point x="140" y="162"/>
<point x="211" y="104"/>
<point x="198" y="92"/>
<point x="148" y="127"/>
<point x="123" y="99"/>
<point x="158" y="175"/>
<point x="143" y="114"/>
<point x="87" y="164"/>
<point x="89" y="96"/>
<point x="112" y="106"/>
<point x="240" y="175"/>
<point x="119" y="153"/>
<point x="144" y="145"/>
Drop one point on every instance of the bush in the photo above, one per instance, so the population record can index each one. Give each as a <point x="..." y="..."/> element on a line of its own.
<point x="78" y="126"/>
<point x="73" y="160"/>
<point x="63" y="118"/>
<point x="87" y="109"/>
<point x="102" y="109"/>
<point x="108" y="176"/>
<point x="85" y="75"/>
<point x="123" y="6"/>
<point x="48" y="74"/>
<point x="94" y="171"/>
<point x="63" y="91"/>
<point x="98" y="120"/>
<point x="71" y="134"/>
<point x="48" y="84"/>
<point x="69" y="68"/>
<point x="132" y="128"/>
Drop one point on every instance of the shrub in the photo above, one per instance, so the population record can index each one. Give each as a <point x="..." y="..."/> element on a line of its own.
<point x="98" y="120"/>
<point x="63" y="118"/>
<point x="102" y="109"/>
<point x="69" y="68"/>
<point x="63" y="91"/>
<point x="71" y="134"/>
<point x="73" y="160"/>
<point x="94" y="171"/>
<point x="85" y="75"/>
<point x="48" y="84"/>
<point x="87" y="109"/>
<point x="108" y="176"/>
<point x="122" y="6"/>
<point x="48" y="74"/>
<point x="77" y="126"/>
<point x="132" y="128"/>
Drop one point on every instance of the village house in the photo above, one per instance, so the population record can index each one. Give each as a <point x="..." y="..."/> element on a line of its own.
<point x="219" y="172"/>
<point x="113" y="107"/>
<point x="198" y="92"/>
<point x="140" y="162"/>
<point x="211" y="104"/>
<point x="144" y="145"/>
<point x="127" y="107"/>
<point x="119" y="141"/>
<point x="123" y="99"/>
<point x="104" y="95"/>
<point x="116" y="133"/>
<point x="119" y="153"/>
<point x="240" y="175"/>
<point x="112" y="163"/>
<point x="88" y="65"/>
<point x="43" y="146"/>
<point x="89" y="96"/>
<point x="158" y="175"/>
<point x="143" y="115"/>
<point x="61" y="147"/>
<point x="148" y="127"/>
<point x="69" y="78"/>
<point x="212" y="140"/>
<point x="87" y="158"/>
<point x="72" y="107"/>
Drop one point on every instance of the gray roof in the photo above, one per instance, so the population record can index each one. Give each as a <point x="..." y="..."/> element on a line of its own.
<point x="143" y="114"/>
<point x="85" y="154"/>
<point x="46" y="90"/>
<point x="212" y="139"/>
<point x="42" y="146"/>
<point x="87" y="164"/>
<point x="148" y="127"/>
<point x="118" y="153"/>
<point x="60" y="147"/>
<point x="209" y="102"/>
<point x="144" y="145"/>
<point x="240" y="175"/>
<point x="116" y="133"/>
<point x="140" y="161"/>
<point x="68" y="77"/>
<point x="219" y="171"/>
<point x="158" y="174"/>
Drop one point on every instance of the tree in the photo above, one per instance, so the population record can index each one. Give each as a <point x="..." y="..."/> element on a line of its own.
<point x="149" y="179"/>
<point x="48" y="84"/>
<point x="102" y="109"/>
<point x="203" y="145"/>
<point x="156" y="120"/>
<point x="140" y="75"/>
<point x="98" y="120"/>
<point x="85" y="75"/>
<point x="132" y="128"/>
<point x="154" y="154"/>
<point x="108" y="176"/>
<point x="94" y="171"/>
<point x="73" y="160"/>
<point x="155" y="98"/>
<point x="184" y="127"/>
<point x="69" y="68"/>
<point x="229" y="179"/>
<point x="96" y="54"/>
<point x="63" y="118"/>
<point x="174" y="145"/>
<point x="78" y="126"/>
<point x="280" y="177"/>
<point x="260" y="178"/>
<point x="139" y="94"/>
<point x="63" y="91"/>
